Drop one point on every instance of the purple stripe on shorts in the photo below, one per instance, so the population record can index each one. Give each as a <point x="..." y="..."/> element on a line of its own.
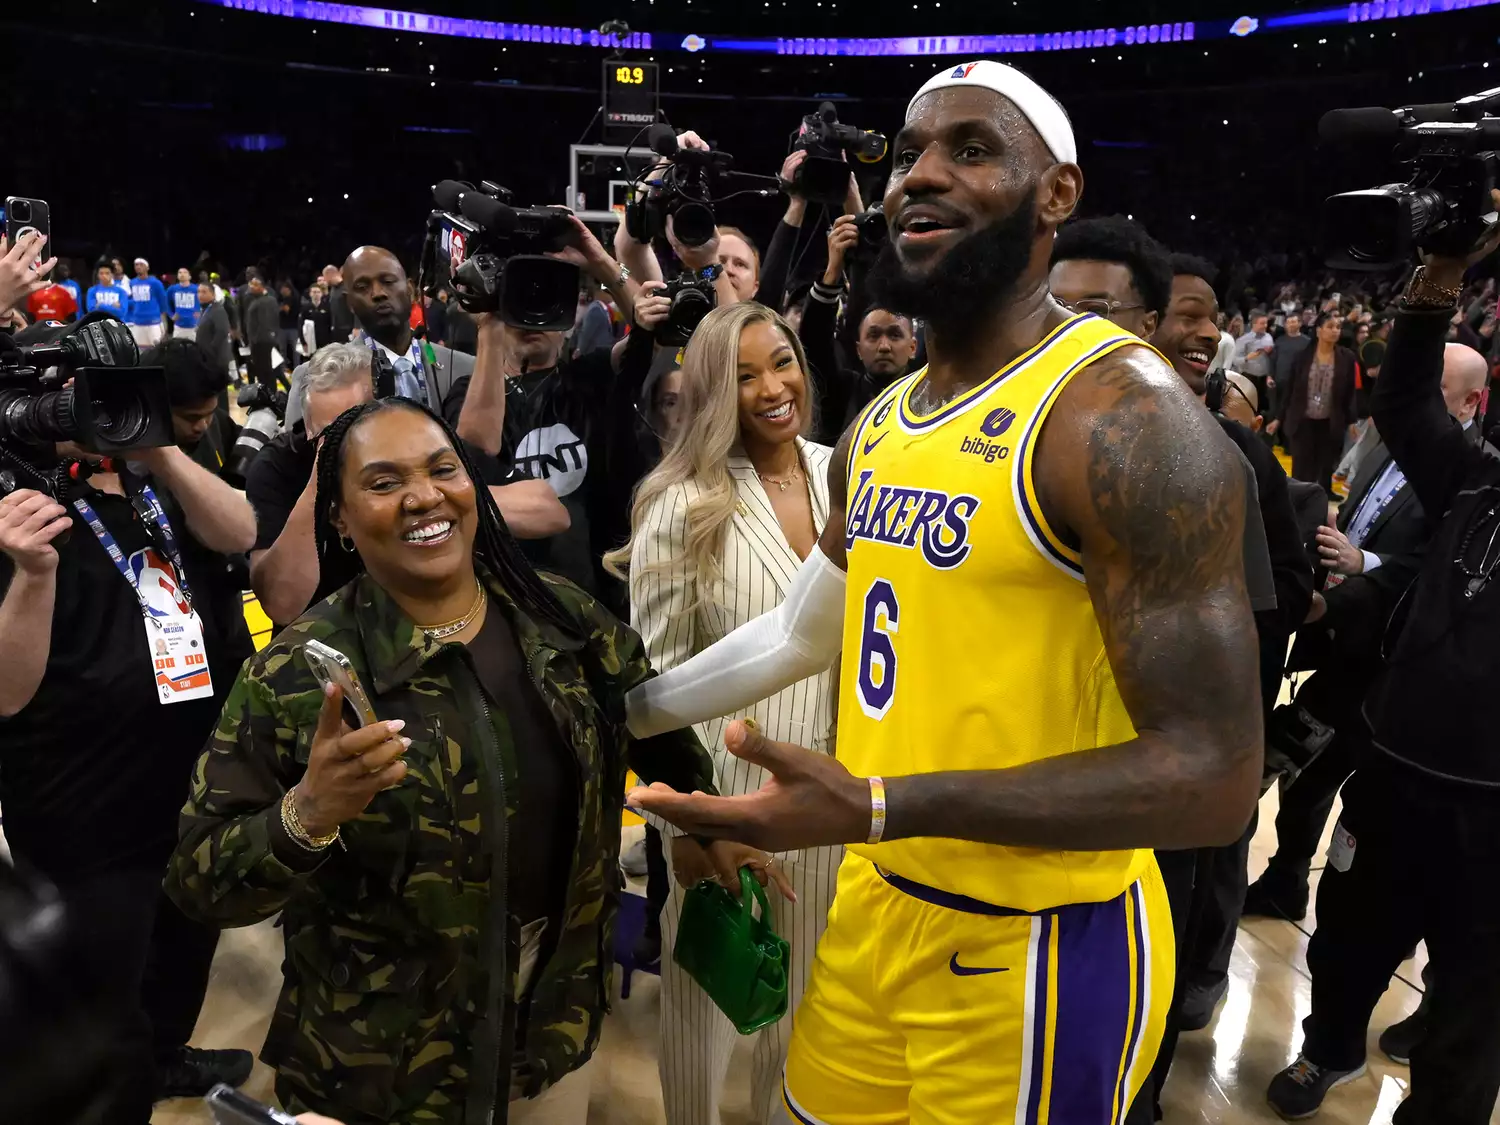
<point x="1094" y="967"/>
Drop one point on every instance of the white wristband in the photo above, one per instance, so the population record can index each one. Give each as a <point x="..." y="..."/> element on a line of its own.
<point x="877" y="810"/>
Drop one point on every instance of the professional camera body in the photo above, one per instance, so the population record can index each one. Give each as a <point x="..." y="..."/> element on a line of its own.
<point x="496" y="256"/>
<point x="265" y="414"/>
<point x="78" y="383"/>
<point x="684" y="192"/>
<point x="693" y="297"/>
<point x="824" y="175"/>
<point x="1444" y="207"/>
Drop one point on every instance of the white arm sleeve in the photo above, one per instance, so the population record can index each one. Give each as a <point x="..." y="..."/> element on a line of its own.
<point x="799" y="638"/>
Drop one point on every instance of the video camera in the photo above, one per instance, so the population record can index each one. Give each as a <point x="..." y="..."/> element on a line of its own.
<point x="824" y="175"/>
<point x="874" y="233"/>
<point x="684" y="193"/>
<point x="81" y="383"/>
<point x="497" y="256"/>
<point x="1443" y="208"/>
<point x="693" y="297"/>
<point x="265" y="414"/>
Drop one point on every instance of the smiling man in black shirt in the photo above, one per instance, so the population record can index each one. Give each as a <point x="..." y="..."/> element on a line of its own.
<point x="109" y="662"/>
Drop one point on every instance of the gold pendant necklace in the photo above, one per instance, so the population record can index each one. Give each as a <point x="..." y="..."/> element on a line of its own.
<point x="781" y="484"/>
<point x="458" y="624"/>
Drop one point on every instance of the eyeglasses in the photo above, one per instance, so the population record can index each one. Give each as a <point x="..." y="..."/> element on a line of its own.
<point x="1098" y="306"/>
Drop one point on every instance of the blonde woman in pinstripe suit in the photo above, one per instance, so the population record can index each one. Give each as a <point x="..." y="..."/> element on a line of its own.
<point x="719" y="529"/>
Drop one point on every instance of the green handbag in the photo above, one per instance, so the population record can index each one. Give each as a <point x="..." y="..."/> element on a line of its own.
<point x="734" y="956"/>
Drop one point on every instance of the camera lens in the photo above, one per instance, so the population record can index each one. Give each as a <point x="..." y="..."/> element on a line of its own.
<point x="20" y="210"/>
<point x="693" y="223"/>
<point x="122" y="422"/>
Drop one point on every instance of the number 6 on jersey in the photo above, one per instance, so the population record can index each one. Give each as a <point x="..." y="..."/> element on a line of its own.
<point x="876" y="687"/>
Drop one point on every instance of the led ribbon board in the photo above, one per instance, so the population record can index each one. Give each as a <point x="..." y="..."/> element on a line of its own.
<point x="390" y="19"/>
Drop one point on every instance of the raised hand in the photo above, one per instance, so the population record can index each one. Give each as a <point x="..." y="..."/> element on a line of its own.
<point x="346" y="768"/>
<point x="18" y="280"/>
<point x="810" y="801"/>
<point x="29" y="522"/>
<point x="652" y="307"/>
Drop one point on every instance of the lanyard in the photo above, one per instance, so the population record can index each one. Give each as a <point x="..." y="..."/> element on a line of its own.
<point x="1386" y="477"/>
<point x="148" y="507"/>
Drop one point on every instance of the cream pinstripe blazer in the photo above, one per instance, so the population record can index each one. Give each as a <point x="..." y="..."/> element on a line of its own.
<point x="758" y="566"/>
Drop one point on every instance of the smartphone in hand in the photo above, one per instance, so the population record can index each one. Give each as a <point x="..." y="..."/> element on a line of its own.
<point x="331" y="666"/>
<point x="23" y="215"/>
<point x="230" y="1107"/>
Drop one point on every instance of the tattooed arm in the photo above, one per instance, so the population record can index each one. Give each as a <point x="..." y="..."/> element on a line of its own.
<point x="1145" y="479"/>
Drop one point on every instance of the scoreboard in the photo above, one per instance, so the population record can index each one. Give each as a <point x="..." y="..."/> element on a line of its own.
<point x="630" y="97"/>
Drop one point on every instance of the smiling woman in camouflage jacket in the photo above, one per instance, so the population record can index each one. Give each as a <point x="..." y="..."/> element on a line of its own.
<point x="447" y="875"/>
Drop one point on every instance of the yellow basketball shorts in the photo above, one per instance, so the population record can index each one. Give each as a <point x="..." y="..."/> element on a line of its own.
<point x="936" y="1009"/>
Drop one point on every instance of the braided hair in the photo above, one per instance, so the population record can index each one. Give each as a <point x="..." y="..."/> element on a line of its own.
<point x="495" y="547"/>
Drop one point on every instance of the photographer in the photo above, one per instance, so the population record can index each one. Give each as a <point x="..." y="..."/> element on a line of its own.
<point x="885" y="344"/>
<point x="554" y="419"/>
<point x="100" y="731"/>
<point x="1417" y="847"/>
<point x="740" y="276"/>
<point x="282" y="485"/>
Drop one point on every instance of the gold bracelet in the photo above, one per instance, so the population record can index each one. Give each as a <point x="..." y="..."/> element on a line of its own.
<point x="293" y="825"/>
<point x="1421" y="293"/>
<point x="877" y="810"/>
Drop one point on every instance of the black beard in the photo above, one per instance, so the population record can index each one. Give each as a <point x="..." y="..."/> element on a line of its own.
<point x="965" y="283"/>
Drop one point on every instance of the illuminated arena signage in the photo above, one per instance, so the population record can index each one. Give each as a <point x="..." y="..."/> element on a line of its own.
<point x="389" y="19"/>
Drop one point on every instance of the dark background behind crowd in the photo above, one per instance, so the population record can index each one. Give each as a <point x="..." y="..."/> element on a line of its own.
<point x="1211" y="145"/>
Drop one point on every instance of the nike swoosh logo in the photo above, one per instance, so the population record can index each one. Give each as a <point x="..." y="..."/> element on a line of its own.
<point x="869" y="445"/>
<point x="966" y="971"/>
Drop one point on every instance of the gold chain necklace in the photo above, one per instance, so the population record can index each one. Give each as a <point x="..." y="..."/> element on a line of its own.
<point x="458" y="624"/>
<point x="781" y="484"/>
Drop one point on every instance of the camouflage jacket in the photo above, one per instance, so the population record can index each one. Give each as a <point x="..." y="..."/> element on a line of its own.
<point x="400" y="972"/>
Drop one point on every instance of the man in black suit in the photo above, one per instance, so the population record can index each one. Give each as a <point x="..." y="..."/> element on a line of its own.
<point x="1372" y="556"/>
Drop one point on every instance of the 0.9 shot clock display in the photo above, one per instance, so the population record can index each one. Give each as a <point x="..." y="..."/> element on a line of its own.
<point x="630" y="100"/>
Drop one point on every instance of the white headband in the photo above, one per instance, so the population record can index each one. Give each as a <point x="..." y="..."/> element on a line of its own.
<point x="1047" y="117"/>
<point x="142" y="262"/>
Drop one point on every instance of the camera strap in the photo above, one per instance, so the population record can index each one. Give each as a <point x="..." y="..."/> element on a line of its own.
<point x="174" y="632"/>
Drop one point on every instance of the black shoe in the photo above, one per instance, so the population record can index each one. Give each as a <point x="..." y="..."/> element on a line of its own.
<point x="1196" y="1011"/>
<point x="1299" y="1090"/>
<point x="1397" y="1040"/>
<point x="1264" y="901"/>
<point x="191" y="1072"/>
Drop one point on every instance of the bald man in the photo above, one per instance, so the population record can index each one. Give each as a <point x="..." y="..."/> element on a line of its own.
<point x="1020" y="595"/>
<point x="375" y="286"/>
<point x="1416" y="853"/>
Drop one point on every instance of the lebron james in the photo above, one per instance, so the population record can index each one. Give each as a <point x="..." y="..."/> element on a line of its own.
<point x="1032" y="573"/>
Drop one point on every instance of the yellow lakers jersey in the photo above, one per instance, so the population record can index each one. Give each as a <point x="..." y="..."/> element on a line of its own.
<point x="970" y="642"/>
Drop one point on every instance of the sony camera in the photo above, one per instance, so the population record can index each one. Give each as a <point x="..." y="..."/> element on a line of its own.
<point x="265" y="413"/>
<point x="693" y="297"/>
<point x="824" y="175"/>
<point x="1444" y="206"/>
<point x="81" y="383"/>
<point x="684" y="192"/>
<point x="496" y="256"/>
